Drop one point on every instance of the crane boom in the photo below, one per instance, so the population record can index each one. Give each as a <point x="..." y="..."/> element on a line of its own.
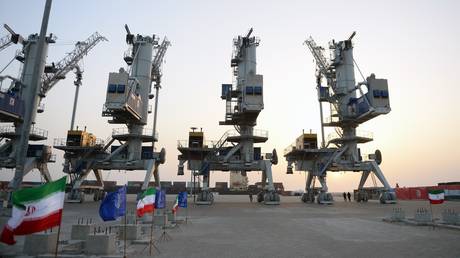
<point x="69" y="62"/>
<point x="318" y="54"/>
<point x="158" y="60"/>
<point x="7" y="40"/>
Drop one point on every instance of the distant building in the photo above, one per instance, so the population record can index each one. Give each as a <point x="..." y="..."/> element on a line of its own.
<point x="279" y="187"/>
<point x="238" y="182"/>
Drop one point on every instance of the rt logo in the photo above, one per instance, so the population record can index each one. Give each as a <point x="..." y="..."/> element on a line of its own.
<point x="30" y="210"/>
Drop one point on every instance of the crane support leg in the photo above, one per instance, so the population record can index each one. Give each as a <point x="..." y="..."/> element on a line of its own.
<point x="322" y="181"/>
<point x="76" y="194"/>
<point x="43" y="168"/>
<point x="98" y="175"/>
<point x="324" y="197"/>
<point x="271" y="197"/>
<point x="205" y="197"/>
<point x="152" y="165"/>
<point x="363" y="180"/>
<point x="264" y="179"/>
<point x="29" y="164"/>
<point x="378" y="172"/>
<point x="98" y="193"/>
<point x="362" y="194"/>
<point x="309" y="195"/>
<point x="388" y="195"/>
<point x="268" y="173"/>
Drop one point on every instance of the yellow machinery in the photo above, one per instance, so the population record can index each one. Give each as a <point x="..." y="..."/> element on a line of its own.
<point x="195" y="139"/>
<point x="307" y="141"/>
<point x="80" y="138"/>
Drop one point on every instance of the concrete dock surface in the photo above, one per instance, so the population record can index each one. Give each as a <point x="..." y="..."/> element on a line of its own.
<point x="234" y="227"/>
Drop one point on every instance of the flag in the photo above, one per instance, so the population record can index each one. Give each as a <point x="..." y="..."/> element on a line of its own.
<point x="35" y="209"/>
<point x="146" y="203"/>
<point x="113" y="205"/>
<point x="436" y="196"/>
<point x="160" y="199"/>
<point x="183" y="199"/>
<point x="176" y="205"/>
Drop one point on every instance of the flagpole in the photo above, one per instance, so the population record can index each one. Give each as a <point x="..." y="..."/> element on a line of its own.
<point x="432" y="218"/>
<point x="186" y="208"/>
<point x="57" y="239"/>
<point x="124" y="249"/>
<point x="151" y="230"/>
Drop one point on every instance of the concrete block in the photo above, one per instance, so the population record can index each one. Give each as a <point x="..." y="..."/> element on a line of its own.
<point x="100" y="244"/>
<point x="450" y="216"/>
<point x="171" y="216"/>
<point x="131" y="218"/>
<point x="146" y="219"/>
<point x="40" y="243"/>
<point x="158" y="219"/>
<point x="397" y="214"/>
<point x="133" y="232"/>
<point x="422" y="215"/>
<point x="80" y="232"/>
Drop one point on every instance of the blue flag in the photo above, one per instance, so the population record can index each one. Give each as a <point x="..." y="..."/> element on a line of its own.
<point x="182" y="199"/>
<point x="113" y="205"/>
<point x="160" y="199"/>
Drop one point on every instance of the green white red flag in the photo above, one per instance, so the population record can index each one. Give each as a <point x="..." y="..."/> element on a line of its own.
<point x="146" y="203"/>
<point x="436" y="196"/>
<point x="35" y="209"/>
<point x="176" y="205"/>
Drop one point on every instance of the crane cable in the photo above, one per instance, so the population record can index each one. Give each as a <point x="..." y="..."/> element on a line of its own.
<point x="8" y="64"/>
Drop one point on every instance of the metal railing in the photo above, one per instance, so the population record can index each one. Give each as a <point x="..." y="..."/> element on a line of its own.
<point x="359" y="133"/>
<point x="185" y="144"/>
<point x="33" y="131"/>
<point x="124" y="130"/>
<point x="222" y="142"/>
<point x="7" y="129"/>
<point x="99" y="142"/>
<point x="59" y="142"/>
<point x="39" y="132"/>
<point x="289" y="148"/>
<point x="256" y="132"/>
<point x="332" y="119"/>
<point x="63" y="142"/>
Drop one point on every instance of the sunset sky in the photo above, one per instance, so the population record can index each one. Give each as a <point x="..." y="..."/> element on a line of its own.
<point x="413" y="44"/>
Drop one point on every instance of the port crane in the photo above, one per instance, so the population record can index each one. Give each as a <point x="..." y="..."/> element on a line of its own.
<point x="351" y="104"/>
<point x="235" y="151"/>
<point x="128" y="93"/>
<point x="21" y="102"/>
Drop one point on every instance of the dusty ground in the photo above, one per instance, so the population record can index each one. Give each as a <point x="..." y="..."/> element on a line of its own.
<point x="233" y="227"/>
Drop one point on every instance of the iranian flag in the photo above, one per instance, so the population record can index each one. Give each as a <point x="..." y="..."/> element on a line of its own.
<point x="436" y="196"/>
<point x="176" y="205"/>
<point x="34" y="210"/>
<point x="146" y="203"/>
